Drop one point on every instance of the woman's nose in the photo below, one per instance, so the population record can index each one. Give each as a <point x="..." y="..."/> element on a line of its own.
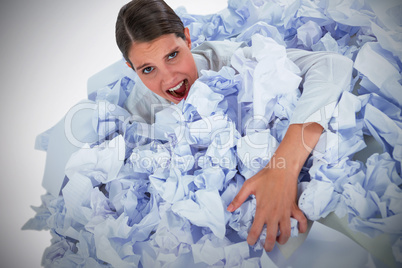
<point x="168" y="75"/>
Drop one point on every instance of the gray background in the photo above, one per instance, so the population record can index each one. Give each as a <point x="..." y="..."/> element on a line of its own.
<point x="48" y="51"/>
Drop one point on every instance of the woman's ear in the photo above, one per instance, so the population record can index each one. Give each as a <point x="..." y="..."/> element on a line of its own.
<point x="188" y="37"/>
<point x="129" y="65"/>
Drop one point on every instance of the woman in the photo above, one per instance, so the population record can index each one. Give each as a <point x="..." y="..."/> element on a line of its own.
<point x="158" y="48"/>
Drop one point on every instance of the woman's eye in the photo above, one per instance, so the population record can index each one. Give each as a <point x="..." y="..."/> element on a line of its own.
<point x="147" y="70"/>
<point x="173" y="55"/>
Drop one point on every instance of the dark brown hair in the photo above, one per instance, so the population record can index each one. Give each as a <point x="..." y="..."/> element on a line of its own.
<point x="144" y="21"/>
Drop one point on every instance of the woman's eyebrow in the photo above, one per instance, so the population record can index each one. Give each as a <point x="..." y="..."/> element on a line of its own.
<point x="167" y="55"/>
<point x="142" y="66"/>
<point x="171" y="51"/>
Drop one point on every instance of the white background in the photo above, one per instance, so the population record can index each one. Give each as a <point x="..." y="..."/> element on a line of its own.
<point x="48" y="51"/>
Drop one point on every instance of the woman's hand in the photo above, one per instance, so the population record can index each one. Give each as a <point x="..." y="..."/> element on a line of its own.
<point x="275" y="190"/>
<point x="275" y="187"/>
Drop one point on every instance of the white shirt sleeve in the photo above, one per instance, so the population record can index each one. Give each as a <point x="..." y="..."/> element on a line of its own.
<point x="325" y="76"/>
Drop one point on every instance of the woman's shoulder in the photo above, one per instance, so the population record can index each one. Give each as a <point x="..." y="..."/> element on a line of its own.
<point x="216" y="54"/>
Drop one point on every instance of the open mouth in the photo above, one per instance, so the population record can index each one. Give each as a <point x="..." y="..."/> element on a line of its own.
<point x="179" y="92"/>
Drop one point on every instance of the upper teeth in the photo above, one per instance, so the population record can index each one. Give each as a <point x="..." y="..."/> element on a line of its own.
<point x="176" y="87"/>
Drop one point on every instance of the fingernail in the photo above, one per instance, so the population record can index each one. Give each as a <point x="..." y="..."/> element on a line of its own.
<point x="268" y="248"/>
<point x="251" y="242"/>
<point x="230" y="207"/>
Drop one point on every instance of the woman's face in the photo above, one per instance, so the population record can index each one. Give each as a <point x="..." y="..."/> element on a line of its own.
<point x="165" y="65"/>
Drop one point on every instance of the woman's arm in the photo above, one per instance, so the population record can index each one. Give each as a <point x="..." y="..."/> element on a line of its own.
<point x="275" y="186"/>
<point x="325" y="77"/>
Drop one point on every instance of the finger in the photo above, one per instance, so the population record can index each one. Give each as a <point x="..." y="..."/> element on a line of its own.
<point x="255" y="230"/>
<point x="241" y="196"/>
<point x="272" y="231"/>
<point x="284" y="227"/>
<point x="299" y="216"/>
